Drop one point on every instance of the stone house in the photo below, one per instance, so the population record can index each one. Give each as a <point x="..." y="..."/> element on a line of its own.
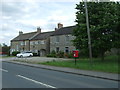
<point x="40" y="43"/>
<point x="36" y="42"/>
<point x="43" y="43"/>
<point x="61" y="38"/>
<point x="22" y="42"/>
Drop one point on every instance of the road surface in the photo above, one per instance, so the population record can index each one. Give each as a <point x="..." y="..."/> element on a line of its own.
<point x="20" y="76"/>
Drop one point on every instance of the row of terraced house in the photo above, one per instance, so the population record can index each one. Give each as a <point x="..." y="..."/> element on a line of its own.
<point x="44" y="43"/>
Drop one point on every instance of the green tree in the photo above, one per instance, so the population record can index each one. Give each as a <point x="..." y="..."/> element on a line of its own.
<point x="104" y="27"/>
<point x="5" y="49"/>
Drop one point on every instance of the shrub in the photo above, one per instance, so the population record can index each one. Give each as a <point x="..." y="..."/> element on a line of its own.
<point x="15" y="53"/>
<point x="51" y="55"/>
<point x="70" y="55"/>
<point x="60" y="54"/>
<point x="53" y="52"/>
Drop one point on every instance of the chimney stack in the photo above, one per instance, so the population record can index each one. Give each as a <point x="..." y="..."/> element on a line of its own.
<point x="38" y="29"/>
<point x="55" y="29"/>
<point x="60" y="25"/>
<point x="20" y="32"/>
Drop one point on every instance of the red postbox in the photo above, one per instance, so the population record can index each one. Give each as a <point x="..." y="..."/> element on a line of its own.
<point x="75" y="53"/>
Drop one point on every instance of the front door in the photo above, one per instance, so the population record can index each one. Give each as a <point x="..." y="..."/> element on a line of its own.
<point x="42" y="52"/>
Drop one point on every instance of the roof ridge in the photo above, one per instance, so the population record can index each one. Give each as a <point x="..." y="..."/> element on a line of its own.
<point x="29" y="33"/>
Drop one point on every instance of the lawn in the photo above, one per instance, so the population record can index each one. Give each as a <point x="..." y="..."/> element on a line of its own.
<point x="110" y="64"/>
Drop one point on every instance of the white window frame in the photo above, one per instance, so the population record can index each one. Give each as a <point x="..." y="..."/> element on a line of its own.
<point x="22" y="43"/>
<point x="57" y="39"/>
<point x="42" y="42"/>
<point x="25" y="43"/>
<point x="36" y="42"/>
<point x="31" y="42"/>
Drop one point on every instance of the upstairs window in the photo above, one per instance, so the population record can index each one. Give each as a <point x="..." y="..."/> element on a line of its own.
<point x="57" y="39"/>
<point x="36" y="42"/>
<point x="22" y="43"/>
<point x="67" y="38"/>
<point x="42" y="42"/>
<point x="31" y="43"/>
<point x="25" y="42"/>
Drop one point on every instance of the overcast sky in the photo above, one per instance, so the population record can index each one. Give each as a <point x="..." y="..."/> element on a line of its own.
<point x="27" y="15"/>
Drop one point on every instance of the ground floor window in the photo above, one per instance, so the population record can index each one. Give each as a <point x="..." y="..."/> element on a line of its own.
<point x="67" y="49"/>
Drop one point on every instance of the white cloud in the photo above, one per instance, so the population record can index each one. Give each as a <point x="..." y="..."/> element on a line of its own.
<point x="26" y="16"/>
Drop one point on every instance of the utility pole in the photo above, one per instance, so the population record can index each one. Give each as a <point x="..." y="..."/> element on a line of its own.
<point x="88" y="32"/>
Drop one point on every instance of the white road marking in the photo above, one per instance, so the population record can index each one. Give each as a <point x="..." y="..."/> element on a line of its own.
<point x="36" y="81"/>
<point x="3" y="70"/>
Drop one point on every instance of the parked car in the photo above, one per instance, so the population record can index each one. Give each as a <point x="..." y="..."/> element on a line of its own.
<point x="25" y="54"/>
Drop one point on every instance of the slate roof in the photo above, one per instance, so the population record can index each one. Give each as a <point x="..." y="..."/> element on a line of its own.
<point x="64" y="31"/>
<point x="42" y="36"/>
<point x="25" y="36"/>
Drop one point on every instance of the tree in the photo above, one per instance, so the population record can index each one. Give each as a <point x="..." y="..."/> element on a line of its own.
<point x="5" y="49"/>
<point x="103" y="21"/>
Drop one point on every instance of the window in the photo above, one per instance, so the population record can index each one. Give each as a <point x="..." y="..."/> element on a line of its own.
<point x="57" y="49"/>
<point x="57" y="39"/>
<point x="31" y="43"/>
<point x="42" y="42"/>
<point x="67" y="49"/>
<point x="36" y="42"/>
<point x="17" y="48"/>
<point x="21" y="43"/>
<point x="67" y="38"/>
<point x="25" y="42"/>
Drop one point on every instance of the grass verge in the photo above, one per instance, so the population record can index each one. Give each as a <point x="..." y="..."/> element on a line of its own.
<point x="110" y="64"/>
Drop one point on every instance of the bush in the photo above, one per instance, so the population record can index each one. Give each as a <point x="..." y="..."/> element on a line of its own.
<point x="70" y="55"/>
<point x="53" y="52"/>
<point x="60" y="54"/>
<point x="51" y="55"/>
<point x="15" y="53"/>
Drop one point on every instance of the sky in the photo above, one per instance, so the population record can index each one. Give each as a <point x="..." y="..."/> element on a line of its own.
<point x="27" y="15"/>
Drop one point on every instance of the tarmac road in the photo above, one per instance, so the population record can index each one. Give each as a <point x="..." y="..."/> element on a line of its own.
<point x="20" y="76"/>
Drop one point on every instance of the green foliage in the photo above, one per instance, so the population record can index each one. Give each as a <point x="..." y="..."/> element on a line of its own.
<point x="110" y="64"/>
<point x="70" y="55"/>
<point x="60" y="54"/>
<point x="5" y="48"/>
<point x="15" y="53"/>
<point x="104" y="21"/>
<point x="52" y="54"/>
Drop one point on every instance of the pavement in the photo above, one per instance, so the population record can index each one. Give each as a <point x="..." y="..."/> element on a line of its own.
<point x="96" y="74"/>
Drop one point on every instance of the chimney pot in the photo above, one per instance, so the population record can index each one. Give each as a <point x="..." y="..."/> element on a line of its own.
<point x="60" y="25"/>
<point x="38" y="29"/>
<point x="55" y="29"/>
<point x="20" y="32"/>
